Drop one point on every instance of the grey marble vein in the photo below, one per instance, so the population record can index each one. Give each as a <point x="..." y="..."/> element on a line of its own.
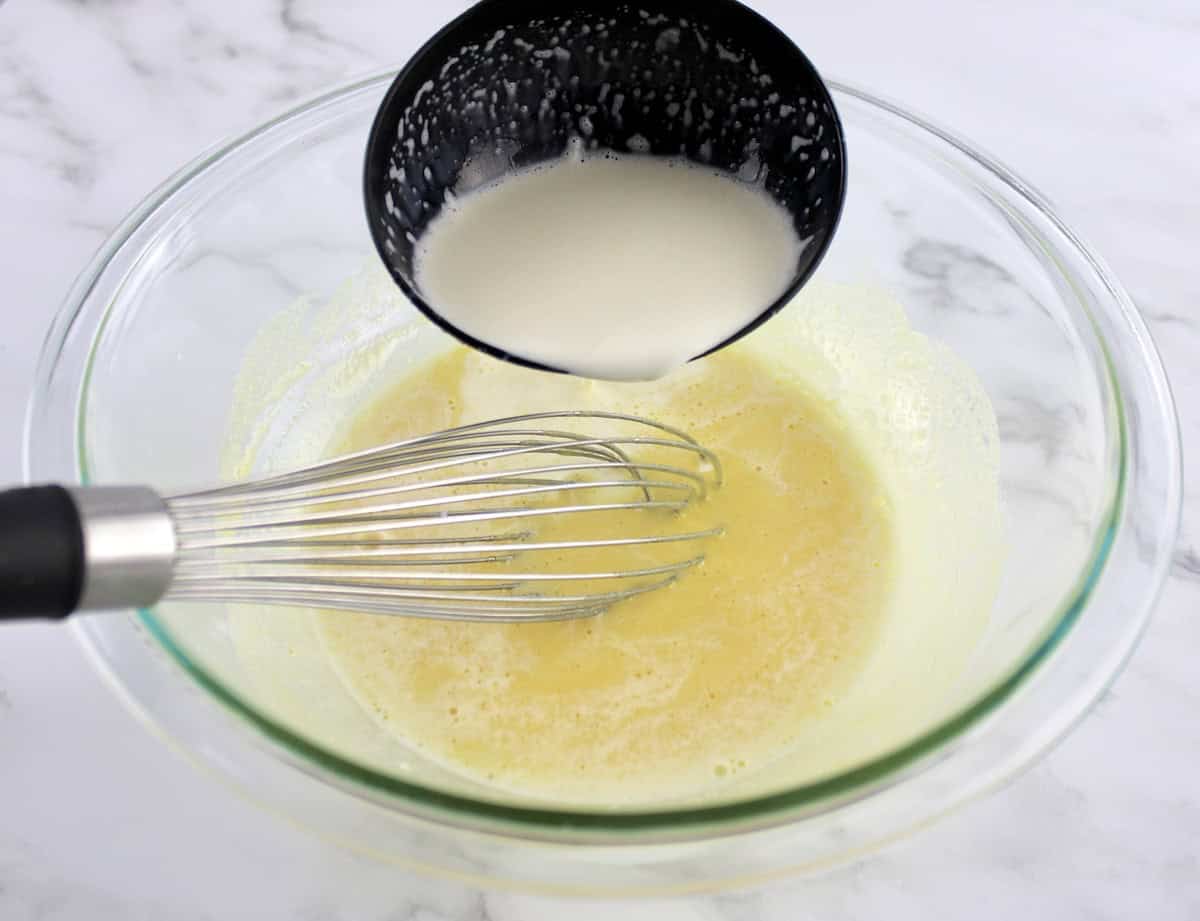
<point x="958" y="275"/>
<point x="1051" y="426"/>
<point x="300" y="26"/>
<point x="1167" y="318"/>
<point x="1187" y="563"/>
<point x="28" y="110"/>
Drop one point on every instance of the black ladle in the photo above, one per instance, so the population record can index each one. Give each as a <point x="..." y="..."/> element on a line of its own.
<point x="511" y="83"/>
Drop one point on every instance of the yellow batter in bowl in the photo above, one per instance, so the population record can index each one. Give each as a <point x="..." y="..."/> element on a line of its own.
<point x="830" y="622"/>
<point x="667" y="692"/>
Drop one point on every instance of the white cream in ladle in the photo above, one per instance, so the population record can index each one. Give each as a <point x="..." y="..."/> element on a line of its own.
<point x="621" y="268"/>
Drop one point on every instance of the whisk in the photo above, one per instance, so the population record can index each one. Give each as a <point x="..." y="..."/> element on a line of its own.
<point x="451" y="525"/>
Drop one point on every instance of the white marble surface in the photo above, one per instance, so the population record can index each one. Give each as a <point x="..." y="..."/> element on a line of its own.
<point x="1098" y="103"/>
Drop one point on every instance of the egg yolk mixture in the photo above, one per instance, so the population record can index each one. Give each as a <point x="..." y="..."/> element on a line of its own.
<point x="669" y="692"/>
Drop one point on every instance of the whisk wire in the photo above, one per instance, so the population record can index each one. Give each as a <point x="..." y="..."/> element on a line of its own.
<point x="418" y="527"/>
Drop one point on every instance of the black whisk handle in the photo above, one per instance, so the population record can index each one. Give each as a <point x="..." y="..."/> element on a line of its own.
<point x="41" y="553"/>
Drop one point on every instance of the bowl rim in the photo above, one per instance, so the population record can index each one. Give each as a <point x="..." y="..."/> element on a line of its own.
<point x="771" y="810"/>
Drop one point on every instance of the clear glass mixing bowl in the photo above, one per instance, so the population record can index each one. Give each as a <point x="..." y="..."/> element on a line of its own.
<point x="136" y="383"/>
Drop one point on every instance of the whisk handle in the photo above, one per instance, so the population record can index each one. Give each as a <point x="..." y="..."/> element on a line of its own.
<point x="41" y="553"/>
<point x="63" y="550"/>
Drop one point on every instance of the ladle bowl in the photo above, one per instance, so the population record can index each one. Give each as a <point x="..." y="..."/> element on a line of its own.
<point x="509" y="85"/>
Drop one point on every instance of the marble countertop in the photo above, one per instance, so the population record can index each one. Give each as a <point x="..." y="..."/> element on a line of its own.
<point x="1097" y="103"/>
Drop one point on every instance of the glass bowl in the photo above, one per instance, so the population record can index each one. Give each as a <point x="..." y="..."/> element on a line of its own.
<point x="139" y="373"/>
